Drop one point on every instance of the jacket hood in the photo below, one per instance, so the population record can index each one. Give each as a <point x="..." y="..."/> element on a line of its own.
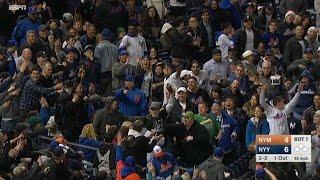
<point x="306" y="73"/>
<point x="109" y="101"/>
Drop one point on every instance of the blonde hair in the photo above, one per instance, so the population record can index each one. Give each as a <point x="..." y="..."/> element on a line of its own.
<point x="88" y="131"/>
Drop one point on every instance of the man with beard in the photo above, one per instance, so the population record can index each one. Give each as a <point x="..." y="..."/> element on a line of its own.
<point x="240" y="116"/>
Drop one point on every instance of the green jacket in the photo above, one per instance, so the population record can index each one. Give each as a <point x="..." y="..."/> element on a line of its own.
<point x="213" y="126"/>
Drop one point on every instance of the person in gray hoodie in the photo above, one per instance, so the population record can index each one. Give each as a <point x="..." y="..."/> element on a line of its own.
<point x="214" y="167"/>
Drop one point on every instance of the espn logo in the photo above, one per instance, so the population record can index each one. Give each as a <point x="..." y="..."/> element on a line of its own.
<point x="16" y="7"/>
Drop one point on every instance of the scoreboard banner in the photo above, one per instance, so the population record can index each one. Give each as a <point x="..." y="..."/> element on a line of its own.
<point x="283" y="148"/>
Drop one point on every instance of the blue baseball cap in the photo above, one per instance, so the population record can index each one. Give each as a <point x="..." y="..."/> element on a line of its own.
<point x="308" y="50"/>
<point x="129" y="78"/>
<point x="218" y="152"/>
<point x="32" y="10"/>
<point x="11" y="43"/>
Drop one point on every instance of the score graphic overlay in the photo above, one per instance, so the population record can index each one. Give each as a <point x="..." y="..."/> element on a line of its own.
<point x="283" y="148"/>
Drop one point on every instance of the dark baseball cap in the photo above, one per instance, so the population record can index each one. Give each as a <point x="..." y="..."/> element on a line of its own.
<point x="308" y="50"/>
<point x="41" y="54"/>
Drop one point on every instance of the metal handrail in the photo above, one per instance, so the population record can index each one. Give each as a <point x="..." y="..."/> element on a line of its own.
<point x="71" y="143"/>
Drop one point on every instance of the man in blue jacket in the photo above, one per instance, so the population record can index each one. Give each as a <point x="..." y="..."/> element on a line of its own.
<point x="29" y="23"/>
<point x="133" y="101"/>
<point x="230" y="130"/>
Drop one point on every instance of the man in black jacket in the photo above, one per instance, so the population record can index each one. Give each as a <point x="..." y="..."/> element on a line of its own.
<point x="111" y="14"/>
<point x="196" y="94"/>
<point x="192" y="139"/>
<point x="247" y="38"/>
<point x="294" y="47"/>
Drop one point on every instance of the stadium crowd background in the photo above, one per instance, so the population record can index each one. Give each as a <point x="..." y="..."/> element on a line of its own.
<point x="156" y="89"/>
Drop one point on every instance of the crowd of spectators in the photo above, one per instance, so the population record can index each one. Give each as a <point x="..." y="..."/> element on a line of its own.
<point x="156" y="89"/>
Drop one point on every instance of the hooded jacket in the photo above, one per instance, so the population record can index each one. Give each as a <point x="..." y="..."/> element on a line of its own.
<point x="278" y="118"/>
<point x="306" y="98"/>
<point x="125" y="169"/>
<point x="254" y="128"/>
<point x="103" y="118"/>
<point x="215" y="169"/>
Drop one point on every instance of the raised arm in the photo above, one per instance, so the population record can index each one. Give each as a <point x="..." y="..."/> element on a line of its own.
<point x="294" y="100"/>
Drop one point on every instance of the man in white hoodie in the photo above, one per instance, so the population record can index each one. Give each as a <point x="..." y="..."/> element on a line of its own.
<point x="277" y="113"/>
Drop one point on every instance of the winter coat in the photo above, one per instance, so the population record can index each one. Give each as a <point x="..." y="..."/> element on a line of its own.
<point x="215" y="169"/>
<point x="278" y="118"/>
<point x="298" y="6"/>
<point x="164" y="165"/>
<point x="176" y="112"/>
<point x="293" y="50"/>
<point x="89" y="154"/>
<point x="103" y="118"/>
<point x="111" y="15"/>
<point x="195" y="151"/>
<point x="76" y="116"/>
<point x="306" y="98"/>
<point x="311" y="66"/>
<point x="124" y="172"/>
<point x="241" y="39"/>
<point x="256" y="128"/>
<point x="134" y="103"/>
<point x="141" y="147"/>
<point x="228" y="125"/>
<point x="20" y="31"/>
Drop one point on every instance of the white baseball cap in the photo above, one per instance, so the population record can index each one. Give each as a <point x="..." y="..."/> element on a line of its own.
<point x="247" y="54"/>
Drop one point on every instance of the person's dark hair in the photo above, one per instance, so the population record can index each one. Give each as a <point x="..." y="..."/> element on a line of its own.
<point x="193" y="16"/>
<point x="203" y="103"/>
<point x="68" y="36"/>
<point x="225" y="25"/>
<point x="229" y="98"/>
<point x="255" y="95"/>
<point x="156" y="49"/>
<point x="260" y="107"/>
<point x="192" y="77"/>
<point x="137" y="125"/>
<point x="194" y="62"/>
<point x="148" y="21"/>
<point x="273" y="21"/>
<point x="205" y="11"/>
<point x="112" y="132"/>
<point x="217" y="89"/>
<point x="240" y="65"/>
<point x="177" y="21"/>
<point x="124" y="131"/>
